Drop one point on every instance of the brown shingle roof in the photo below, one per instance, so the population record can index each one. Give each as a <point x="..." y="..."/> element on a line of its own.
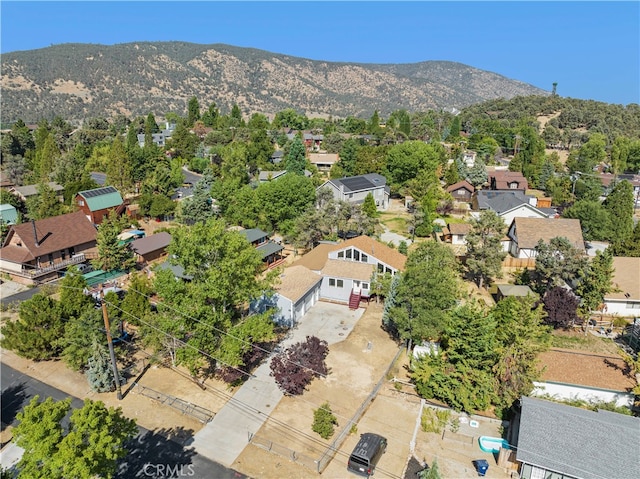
<point x="318" y="256"/>
<point x="460" y="228"/>
<point x="54" y="234"/>
<point x="151" y="243"/>
<point x="377" y="249"/>
<point x="296" y="281"/>
<point x="504" y="178"/>
<point x="461" y="184"/>
<point x="530" y="230"/>
<point x="626" y="278"/>
<point x="586" y="369"/>
<point x="337" y="268"/>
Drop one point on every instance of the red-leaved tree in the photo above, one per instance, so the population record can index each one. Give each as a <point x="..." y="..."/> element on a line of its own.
<point x="295" y="367"/>
<point x="561" y="307"/>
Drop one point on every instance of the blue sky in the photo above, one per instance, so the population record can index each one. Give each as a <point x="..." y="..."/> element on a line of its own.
<point x="591" y="49"/>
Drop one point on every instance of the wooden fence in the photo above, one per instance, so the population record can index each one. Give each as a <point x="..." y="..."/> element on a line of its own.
<point x="519" y="263"/>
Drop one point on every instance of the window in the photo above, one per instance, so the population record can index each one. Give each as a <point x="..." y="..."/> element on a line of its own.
<point x="339" y="283"/>
<point x="332" y="282"/>
<point x="388" y="270"/>
<point x="380" y="268"/>
<point x="365" y="285"/>
<point x="513" y="186"/>
<point x="364" y="258"/>
<point x="348" y="255"/>
<point x="356" y="255"/>
<point x="63" y="255"/>
<point x="81" y="202"/>
<point x="633" y="305"/>
<point x="350" y="195"/>
<point x="341" y="254"/>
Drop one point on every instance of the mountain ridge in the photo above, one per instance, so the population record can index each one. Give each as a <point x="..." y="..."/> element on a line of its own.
<point x="80" y="80"/>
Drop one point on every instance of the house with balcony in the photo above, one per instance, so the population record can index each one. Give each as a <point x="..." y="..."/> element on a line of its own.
<point x="37" y="251"/>
<point x="507" y="180"/>
<point x="354" y="189"/>
<point x="97" y="203"/>
<point x="270" y="250"/>
<point x="347" y="267"/>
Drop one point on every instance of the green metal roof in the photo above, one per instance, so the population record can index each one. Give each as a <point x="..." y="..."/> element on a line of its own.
<point x="8" y="214"/>
<point x="102" y="198"/>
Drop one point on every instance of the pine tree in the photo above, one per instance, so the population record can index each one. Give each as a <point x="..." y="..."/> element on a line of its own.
<point x="484" y="247"/>
<point x="369" y="207"/>
<point x="390" y="303"/>
<point x="111" y="254"/>
<point x="296" y="161"/>
<point x="100" y="372"/>
<point x="193" y="112"/>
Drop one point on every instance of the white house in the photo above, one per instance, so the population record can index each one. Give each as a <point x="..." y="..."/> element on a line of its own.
<point x="346" y="268"/>
<point x="298" y="291"/>
<point x="625" y="301"/>
<point x="524" y="234"/>
<point x="354" y="189"/>
<point x="509" y="205"/>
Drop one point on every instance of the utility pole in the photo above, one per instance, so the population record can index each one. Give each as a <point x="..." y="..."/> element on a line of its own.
<point x="112" y="352"/>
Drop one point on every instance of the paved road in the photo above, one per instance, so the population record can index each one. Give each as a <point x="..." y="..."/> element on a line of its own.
<point x="18" y="297"/>
<point x="151" y="455"/>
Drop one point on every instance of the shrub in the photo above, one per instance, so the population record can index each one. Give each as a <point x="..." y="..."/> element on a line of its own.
<point x="324" y="421"/>
<point x="296" y="367"/>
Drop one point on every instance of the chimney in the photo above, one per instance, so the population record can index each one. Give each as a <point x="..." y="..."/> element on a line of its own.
<point x="35" y="233"/>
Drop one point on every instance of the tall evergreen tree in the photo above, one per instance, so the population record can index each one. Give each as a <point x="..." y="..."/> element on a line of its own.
<point x="296" y="161"/>
<point x="619" y="204"/>
<point x="111" y="254"/>
<point x="193" y="113"/>
<point x="99" y="372"/>
<point x="597" y="282"/>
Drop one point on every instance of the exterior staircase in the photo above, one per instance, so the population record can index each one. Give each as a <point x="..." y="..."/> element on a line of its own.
<point x="354" y="298"/>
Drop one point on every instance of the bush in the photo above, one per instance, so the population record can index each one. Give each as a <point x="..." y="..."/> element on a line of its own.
<point x="296" y="367"/>
<point x="434" y="420"/>
<point x="324" y="421"/>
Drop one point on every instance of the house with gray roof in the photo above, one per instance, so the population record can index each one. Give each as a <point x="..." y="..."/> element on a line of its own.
<point x="270" y="250"/>
<point x="565" y="442"/>
<point x="27" y="191"/>
<point x="508" y="205"/>
<point x="354" y="189"/>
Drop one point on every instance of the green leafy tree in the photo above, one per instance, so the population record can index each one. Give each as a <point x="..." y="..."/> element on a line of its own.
<point x="369" y="207"/>
<point x="90" y="447"/>
<point x="428" y="289"/>
<point x="295" y="161"/>
<point x="111" y="254"/>
<point x="484" y="247"/>
<point x="284" y="200"/>
<point x="451" y="176"/>
<point x="461" y="375"/>
<point x="136" y="302"/>
<point x="594" y="219"/>
<point x="521" y="336"/>
<point x="432" y="472"/>
<point x="324" y="421"/>
<point x="591" y="154"/>
<point x="556" y="262"/>
<point x="629" y="247"/>
<point x="36" y="334"/>
<point x="406" y="160"/>
<point x="596" y="283"/>
<point x="73" y="301"/>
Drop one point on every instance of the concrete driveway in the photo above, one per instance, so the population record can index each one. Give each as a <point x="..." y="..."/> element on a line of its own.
<point x="223" y="439"/>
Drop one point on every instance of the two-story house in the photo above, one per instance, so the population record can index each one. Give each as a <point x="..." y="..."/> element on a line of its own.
<point x="354" y="189"/>
<point x="524" y="234"/>
<point x="36" y="251"/>
<point x="507" y="180"/>
<point x="97" y="203"/>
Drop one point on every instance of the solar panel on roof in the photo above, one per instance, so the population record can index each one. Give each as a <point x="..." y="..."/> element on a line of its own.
<point x="356" y="183"/>
<point x="98" y="192"/>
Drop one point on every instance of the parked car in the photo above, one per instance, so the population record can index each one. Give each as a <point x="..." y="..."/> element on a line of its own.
<point x="366" y="454"/>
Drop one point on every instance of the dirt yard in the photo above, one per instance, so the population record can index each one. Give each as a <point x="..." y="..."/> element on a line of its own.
<point x="356" y="365"/>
